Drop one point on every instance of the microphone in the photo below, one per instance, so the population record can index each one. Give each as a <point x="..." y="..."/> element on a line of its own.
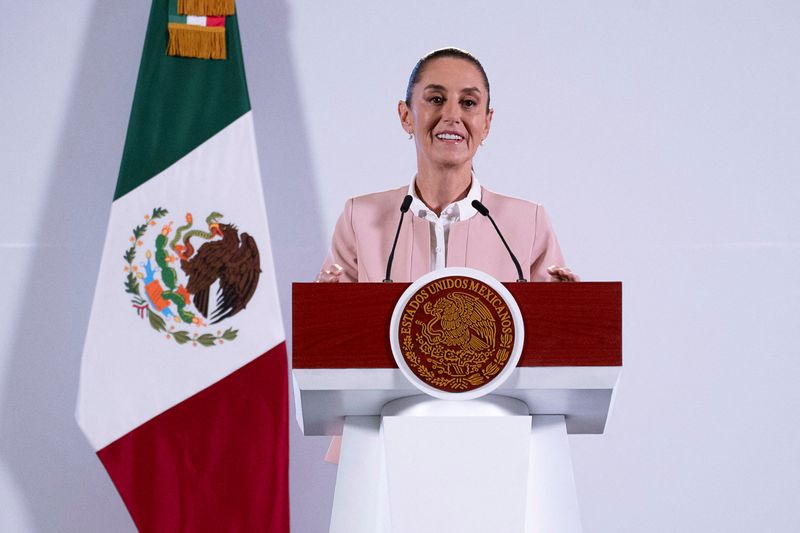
<point x="403" y="208"/>
<point x="485" y="212"/>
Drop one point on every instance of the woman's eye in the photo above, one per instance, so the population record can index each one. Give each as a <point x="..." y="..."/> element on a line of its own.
<point x="469" y="103"/>
<point x="436" y="100"/>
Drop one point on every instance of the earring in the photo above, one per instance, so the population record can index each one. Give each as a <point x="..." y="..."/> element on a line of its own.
<point x="483" y="142"/>
<point x="410" y="135"/>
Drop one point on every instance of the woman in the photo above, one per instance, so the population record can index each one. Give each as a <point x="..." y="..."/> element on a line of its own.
<point x="447" y="114"/>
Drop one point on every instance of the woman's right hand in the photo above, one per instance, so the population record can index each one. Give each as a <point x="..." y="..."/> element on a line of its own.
<point x="330" y="274"/>
<point x="562" y="273"/>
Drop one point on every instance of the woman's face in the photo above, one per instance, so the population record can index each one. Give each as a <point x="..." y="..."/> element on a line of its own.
<point x="448" y="114"/>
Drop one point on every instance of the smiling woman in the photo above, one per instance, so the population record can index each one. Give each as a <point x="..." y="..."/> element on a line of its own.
<point x="447" y="111"/>
<point x="448" y="115"/>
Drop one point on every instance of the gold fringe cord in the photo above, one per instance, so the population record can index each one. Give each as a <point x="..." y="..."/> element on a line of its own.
<point x="196" y="41"/>
<point x="208" y="8"/>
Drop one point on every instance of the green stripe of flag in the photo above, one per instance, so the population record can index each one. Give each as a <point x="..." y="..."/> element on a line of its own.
<point x="179" y="102"/>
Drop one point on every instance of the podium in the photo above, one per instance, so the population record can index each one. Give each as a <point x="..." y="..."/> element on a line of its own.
<point x="410" y="462"/>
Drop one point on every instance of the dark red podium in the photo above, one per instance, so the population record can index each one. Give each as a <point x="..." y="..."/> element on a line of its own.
<point x="507" y="451"/>
<point x="570" y="360"/>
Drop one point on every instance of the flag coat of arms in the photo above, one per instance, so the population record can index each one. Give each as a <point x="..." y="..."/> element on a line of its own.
<point x="183" y="385"/>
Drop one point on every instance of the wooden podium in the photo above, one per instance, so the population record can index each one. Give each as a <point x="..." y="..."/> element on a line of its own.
<point x="396" y="441"/>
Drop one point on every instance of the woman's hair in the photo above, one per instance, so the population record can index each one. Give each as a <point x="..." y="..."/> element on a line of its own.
<point x="444" y="52"/>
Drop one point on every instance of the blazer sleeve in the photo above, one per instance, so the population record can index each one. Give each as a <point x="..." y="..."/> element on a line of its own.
<point x="545" y="250"/>
<point x="343" y="246"/>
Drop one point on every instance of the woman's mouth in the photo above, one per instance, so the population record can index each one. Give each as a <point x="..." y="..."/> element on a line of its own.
<point x="448" y="136"/>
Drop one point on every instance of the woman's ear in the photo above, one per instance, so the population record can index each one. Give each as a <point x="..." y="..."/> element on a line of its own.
<point x="404" y="113"/>
<point x="489" y="115"/>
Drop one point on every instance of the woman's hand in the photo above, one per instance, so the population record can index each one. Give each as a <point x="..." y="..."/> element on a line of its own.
<point x="329" y="275"/>
<point x="560" y="273"/>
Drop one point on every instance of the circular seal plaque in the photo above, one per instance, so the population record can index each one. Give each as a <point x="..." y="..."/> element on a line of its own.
<point x="456" y="333"/>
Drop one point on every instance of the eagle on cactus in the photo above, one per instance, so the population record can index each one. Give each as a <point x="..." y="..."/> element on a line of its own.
<point x="232" y="260"/>
<point x="181" y="269"/>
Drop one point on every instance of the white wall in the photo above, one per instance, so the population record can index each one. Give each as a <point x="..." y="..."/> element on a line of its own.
<point x="662" y="136"/>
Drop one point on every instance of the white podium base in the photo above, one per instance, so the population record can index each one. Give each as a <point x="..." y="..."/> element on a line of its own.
<point x="435" y="466"/>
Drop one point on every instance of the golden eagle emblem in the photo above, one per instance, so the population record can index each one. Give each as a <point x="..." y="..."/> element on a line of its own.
<point x="456" y="333"/>
<point x="463" y="322"/>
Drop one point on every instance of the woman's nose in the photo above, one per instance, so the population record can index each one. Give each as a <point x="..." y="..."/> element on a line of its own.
<point x="452" y="111"/>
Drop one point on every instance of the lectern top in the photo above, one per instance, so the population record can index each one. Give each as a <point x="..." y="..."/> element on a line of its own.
<point x="345" y="325"/>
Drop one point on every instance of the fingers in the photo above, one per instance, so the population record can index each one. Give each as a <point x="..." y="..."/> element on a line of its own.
<point x="560" y="273"/>
<point x="330" y="274"/>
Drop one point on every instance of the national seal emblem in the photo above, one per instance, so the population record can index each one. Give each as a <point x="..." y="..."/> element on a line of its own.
<point x="456" y="333"/>
<point x="170" y="274"/>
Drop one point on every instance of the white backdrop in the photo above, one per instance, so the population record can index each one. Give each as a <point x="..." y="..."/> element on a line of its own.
<point x="663" y="137"/>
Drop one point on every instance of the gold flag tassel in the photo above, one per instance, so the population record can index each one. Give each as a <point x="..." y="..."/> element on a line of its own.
<point x="196" y="41"/>
<point x="208" y="8"/>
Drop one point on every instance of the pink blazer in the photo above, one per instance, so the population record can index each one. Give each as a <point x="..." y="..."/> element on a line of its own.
<point x="365" y="231"/>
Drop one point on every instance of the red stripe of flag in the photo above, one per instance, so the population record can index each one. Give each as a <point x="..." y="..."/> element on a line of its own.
<point x="191" y="468"/>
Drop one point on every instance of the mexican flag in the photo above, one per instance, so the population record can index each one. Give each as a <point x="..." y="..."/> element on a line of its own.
<point x="183" y="388"/>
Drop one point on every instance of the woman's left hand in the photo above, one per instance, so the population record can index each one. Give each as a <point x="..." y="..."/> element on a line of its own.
<point x="560" y="273"/>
